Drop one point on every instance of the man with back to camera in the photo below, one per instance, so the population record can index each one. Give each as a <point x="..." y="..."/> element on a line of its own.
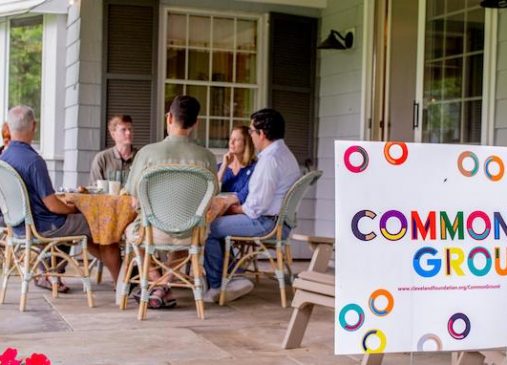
<point x="177" y="148"/>
<point x="118" y="158"/>
<point x="277" y="169"/>
<point x="52" y="217"/>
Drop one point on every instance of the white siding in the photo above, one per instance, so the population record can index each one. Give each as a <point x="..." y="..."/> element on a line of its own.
<point x="52" y="105"/>
<point x="501" y="81"/>
<point x="339" y="109"/>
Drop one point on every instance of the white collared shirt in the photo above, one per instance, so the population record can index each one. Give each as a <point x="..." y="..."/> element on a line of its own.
<point x="275" y="172"/>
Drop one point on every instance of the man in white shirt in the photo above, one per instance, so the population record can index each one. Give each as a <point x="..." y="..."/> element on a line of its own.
<point x="276" y="171"/>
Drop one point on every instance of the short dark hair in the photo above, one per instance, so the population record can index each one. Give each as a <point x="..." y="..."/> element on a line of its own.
<point x="271" y="122"/>
<point x="185" y="110"/>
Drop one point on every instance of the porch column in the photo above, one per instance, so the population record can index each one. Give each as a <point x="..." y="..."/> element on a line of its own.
<point x="82" y="90"/>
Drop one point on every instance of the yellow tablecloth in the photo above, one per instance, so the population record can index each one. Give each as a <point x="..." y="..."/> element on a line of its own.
<point x="107" y="215"/>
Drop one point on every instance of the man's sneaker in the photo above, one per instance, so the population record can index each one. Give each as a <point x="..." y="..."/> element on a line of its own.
<point x="237" y="288"/>
<point x="211" y="295"/>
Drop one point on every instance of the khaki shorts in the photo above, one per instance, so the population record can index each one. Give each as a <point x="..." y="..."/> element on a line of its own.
<point x="134" y="229"/>
<point x="75" y="225"/>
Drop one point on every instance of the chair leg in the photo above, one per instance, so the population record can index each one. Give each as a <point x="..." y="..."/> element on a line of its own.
<point x="288" y="253"/>
<point x="5" y="272"/>
<point x="297" y="326"/>
<point x="225" y="270"/>
<point x="197" y="271"/>
<point x="100" y="267"/>
<point x="143" y="303"/>
<point x="257" y="272"/>
<point x="128" y="267"/>
<point x="53" y="279"/>
<point x="86" y="276"/>
<point x="280" y="275"/>
<point x="26" y="273"/>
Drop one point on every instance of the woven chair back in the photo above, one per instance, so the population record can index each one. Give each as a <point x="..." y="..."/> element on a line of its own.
<point x="14" y="201"/>
<point x="294" y="196"/>
<point x="174" y="198"/>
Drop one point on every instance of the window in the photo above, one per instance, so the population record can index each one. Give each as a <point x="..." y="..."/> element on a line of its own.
<point x="25" y="64"/>
<point x="453" y="61"/>
<point x="215" y="59"/>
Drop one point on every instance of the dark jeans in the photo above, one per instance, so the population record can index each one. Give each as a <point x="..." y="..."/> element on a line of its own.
<point x="231" y="225"/>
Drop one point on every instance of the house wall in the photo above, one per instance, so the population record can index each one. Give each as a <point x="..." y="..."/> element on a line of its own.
<point x="501" y="81"/>
<point x="83" y="90"/>
<point x="306" y="213"/>
<point x="339" y="111"/>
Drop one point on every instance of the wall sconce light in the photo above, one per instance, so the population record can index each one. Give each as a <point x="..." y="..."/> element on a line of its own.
<point x="336" y="41"/>
<point x="495" y="4"/>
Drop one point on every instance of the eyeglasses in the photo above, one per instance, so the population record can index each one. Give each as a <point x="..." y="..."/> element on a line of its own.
<point x="252" y="130"/>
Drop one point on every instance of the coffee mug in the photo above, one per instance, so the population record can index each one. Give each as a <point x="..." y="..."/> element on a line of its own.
<point x="103" y="185"/>
<point x="114" y="187"/>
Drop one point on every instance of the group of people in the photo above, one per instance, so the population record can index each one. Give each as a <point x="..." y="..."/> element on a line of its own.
<point x="258" y="184"/>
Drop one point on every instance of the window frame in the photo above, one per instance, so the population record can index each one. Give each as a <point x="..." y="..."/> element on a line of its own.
<point x="5" y="27"/>
<point x="52" y="113"/>
<point x="462" y="98"/>
<point x="488" y="75"/>
<point x="261" y="61"/>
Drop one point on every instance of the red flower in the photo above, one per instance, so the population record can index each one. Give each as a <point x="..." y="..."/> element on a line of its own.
<point x="37" y="359"/>
<point x="9" y="357"/>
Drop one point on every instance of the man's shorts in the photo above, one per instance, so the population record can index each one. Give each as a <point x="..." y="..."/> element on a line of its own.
<point x="134" y="229"/>
<point x="75" y="225"/>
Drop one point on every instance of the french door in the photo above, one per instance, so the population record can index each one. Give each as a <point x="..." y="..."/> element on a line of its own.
<point x="428" y="75"/>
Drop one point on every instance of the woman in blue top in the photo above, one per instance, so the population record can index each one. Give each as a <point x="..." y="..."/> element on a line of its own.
<point x="238" y="163"/>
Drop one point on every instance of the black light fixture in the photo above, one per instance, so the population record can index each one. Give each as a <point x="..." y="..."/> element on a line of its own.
<point x="495" y="4"/>
<point x="336" y="41"/>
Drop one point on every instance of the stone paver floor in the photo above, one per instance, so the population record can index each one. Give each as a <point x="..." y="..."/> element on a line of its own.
<point x="248" y="331"/>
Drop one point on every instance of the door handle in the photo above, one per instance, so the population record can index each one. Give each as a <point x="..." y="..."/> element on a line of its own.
<point x="415" y="115"/>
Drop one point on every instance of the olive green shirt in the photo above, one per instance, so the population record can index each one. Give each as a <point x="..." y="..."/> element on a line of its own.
<point x="109" y="161"/>
<point x="172" y="150"/>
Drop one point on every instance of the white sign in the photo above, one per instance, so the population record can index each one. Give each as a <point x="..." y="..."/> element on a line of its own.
<point x="421" y="247"/>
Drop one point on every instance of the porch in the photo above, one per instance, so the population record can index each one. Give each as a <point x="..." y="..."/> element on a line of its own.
<point x="247" y="331"/>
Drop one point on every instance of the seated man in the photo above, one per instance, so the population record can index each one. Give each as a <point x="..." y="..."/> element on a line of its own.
<point x="276" y="171"/>
<point x="52" y="217"/>
<point x="177" y="148"/>
<point x="118" y="159"/>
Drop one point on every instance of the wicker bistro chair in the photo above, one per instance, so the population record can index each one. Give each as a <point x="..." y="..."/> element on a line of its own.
<point x="25" y="254"/>
<point x="174" y="199"/>
<point x="248" y="249"/>
<point x="3" y="244"/>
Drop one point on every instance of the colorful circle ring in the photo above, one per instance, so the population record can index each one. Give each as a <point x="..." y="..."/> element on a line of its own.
<point x="473" y="156"/>
<point x="343" y="321"/>
<point x="501" y="168"/>
<point x="390" y="302"/>
<point x="382" y="338"/>
<point x="391" y="159"/>
<point x="429" y="337"/>
<point x="450" y="326"/>
<point x="362" y="152"/>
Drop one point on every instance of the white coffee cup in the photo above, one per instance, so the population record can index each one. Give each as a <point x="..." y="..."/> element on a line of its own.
<point x="103" y="185"/>
<point x="114" y="187"/>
